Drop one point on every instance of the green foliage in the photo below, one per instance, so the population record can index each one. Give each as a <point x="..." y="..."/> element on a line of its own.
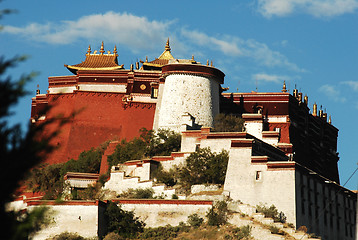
<point x="147" y="145"/>
<point x="243" y="232"/>
<point x="49" y="179"/>
<point x="163" y="143"/>
<point x="138" y="193"/>
<point x="89" y="193"/>
<point x="217" y="215"/>
<point x="29" y="222"/>
<point x="275" y="230"/>
<point x="203" y="166"/>
<point x="122" y="222"/>
<point x="113" y="236"/>
<point x="271" y="212"/>
<point x="195" y="220"/>
<point x="125" y="151"/>
<point x="163" y="233"/>
<point x="19" y="151"/>
<point x="87" y="162"/>
<point x="228" y="123"/>
<point x="67" y="236"/>
<point x="166" y="177"/>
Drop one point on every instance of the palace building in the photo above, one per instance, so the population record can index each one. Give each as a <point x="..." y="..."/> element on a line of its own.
<point x="287" y="155"/>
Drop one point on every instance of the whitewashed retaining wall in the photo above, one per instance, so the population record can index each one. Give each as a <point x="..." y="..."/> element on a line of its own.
<point x="155" y="215"/>
<point x="80" y="218"/>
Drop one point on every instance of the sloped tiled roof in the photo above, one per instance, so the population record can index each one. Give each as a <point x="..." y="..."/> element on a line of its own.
<point x="95" y="61"/>
<point x="162" y="60"/>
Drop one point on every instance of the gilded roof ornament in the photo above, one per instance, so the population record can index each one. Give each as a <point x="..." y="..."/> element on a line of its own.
<point x="284" y="87"/>
<point x="115" y="49"/>
<point x="102" y="48"/>
<point x="89" y="49"/>
<point x="167" y="47"/>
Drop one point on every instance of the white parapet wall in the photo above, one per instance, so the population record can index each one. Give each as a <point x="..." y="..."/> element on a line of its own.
<point x="261" y="183"/>
<point x="80" y="217"/>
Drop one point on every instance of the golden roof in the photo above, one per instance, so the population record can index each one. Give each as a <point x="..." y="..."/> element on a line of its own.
<point x="95" y="61"/>
<point x="162" y="60"/>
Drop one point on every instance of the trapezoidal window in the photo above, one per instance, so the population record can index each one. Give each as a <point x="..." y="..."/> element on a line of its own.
<point x="154" y="92"/>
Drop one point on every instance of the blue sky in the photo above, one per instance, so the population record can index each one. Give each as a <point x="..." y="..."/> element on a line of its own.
<point x="313" y="44"/>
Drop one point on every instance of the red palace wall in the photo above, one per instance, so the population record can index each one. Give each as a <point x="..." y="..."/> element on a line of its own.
<point x="101" y="117"/>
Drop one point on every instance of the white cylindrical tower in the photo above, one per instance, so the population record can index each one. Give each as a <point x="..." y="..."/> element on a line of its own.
<point x="189" y="89"/>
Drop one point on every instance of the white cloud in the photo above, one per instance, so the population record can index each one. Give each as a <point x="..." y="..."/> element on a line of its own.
<point x="227" y="46"/>
<point x="136" y="32"/>
<point x="236" y="47"/>
<point x="317" y="8"/>
<point x="352" y="84"/>
<point x="269" y="77"/>
<point x="332" y="92"/>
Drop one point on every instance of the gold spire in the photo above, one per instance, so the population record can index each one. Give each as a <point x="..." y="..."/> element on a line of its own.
<point x="89" y="49"/>
<point x="38" y="89"/>
<point x="115" y="49"/>
<point x="166" y="54"/>
<point x="167" y="47"/>
<point x="207" y="62"/>
<point x="314" y="112"/>
<point x="284" y="87"/>
<point x="102" y="48"/>
<point x="330" y="119"/>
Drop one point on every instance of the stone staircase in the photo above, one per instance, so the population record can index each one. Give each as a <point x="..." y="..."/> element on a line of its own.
<point x="119" y="182"/>
<point x="244" y="214"/>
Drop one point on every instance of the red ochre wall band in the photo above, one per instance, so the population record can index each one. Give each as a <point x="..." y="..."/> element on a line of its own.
<point x="98" y="117"/>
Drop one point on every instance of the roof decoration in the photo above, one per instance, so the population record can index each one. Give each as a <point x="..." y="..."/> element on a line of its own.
<point x="162" y="60"/>
<point x="95" y="61"/>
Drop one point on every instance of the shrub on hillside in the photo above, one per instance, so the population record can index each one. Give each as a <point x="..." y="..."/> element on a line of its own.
<point x="122" y="222"/>
<point x="243" y="232"/>
<point x="166" y="177"/>
<point x="149" y="144"/>
<point x="67" y="236"/>
<point x="217" y="215"/>
<point x="228" y="123"/>
<point x="204" y="166"/>
<point x="138" y="193"/>
<point x="271" y="212"/>
<point x="195" y="220"/>
<point x="163" y="233"/>
<point x="49" y="179"/>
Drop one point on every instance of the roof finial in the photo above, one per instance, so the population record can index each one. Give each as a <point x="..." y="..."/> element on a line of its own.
<point x="167" y="47"/>
<point x="192" y="57"/>
<point x="115" y="49"/>
<point x="314" y="113"/>
<point x="207" y="62"/>
<point x="38" y="89"/>
<point x="330" y="119"/>
<point x="284" y="87"/>
<point x="146" y="58"/>
<point x="102" y="48"/>
<point x="89" y="49"/>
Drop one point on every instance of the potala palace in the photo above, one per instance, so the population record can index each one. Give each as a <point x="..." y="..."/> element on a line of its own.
<point x="287" y="155"/>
